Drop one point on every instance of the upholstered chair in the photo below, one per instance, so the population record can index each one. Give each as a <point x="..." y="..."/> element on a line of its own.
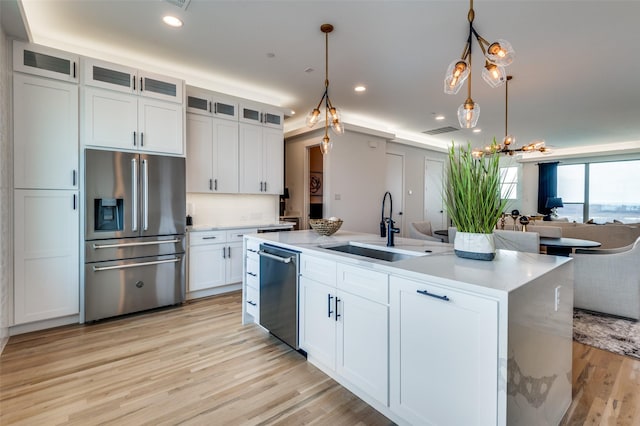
<point x="608" y="280"/>
<point x="422" y="231"/>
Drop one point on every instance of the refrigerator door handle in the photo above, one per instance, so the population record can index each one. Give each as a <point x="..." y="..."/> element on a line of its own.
<point x="134" y="192"/>
<point x="145" y="194"/>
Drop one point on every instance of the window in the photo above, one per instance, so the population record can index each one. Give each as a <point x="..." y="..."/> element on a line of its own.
<point x="509" y="183"/>
<point x="603" y="192"/>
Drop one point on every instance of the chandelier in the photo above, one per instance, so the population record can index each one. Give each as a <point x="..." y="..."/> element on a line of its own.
<point x="498" y="55"/>
<point x="509" y="140"/>
<point x="329" y="110"/>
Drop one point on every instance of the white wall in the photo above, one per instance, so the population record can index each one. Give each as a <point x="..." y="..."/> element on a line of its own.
<point x="6" y="193"/>
<point x="232" y="209"/>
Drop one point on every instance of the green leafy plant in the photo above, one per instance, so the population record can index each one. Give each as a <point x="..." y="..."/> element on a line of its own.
<point x="472" y="192"/>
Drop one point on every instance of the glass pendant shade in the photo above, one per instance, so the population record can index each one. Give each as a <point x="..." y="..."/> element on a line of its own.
<point x="337" y="127"/>
<point x="326" y="145"/>
<point x="500" y="52"/>
<point x="468" y="114"/>
<point x="313" y="117"/>
<point x="494" y="75"/>
<point x="457" y="74"/>
<point x="509" y="140"/>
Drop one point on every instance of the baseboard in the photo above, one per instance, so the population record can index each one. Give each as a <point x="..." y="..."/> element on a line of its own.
<point x="42" y="325"/>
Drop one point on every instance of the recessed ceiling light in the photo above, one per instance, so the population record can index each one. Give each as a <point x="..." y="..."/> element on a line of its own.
<point x="439" y="117"/>
<point x="476" y="130"/>
<point x="172" y="21"/>
<point x="360" y="88"/>
<point x="293" y="112"/>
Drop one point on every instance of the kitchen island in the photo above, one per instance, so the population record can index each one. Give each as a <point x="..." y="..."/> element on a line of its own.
<point x="432" y="338"/>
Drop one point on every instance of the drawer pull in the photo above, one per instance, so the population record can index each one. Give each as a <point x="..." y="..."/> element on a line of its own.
<point x="252" y="303"/>
<point x="253" y="274"/>
<point x="426" y="293"/>
<point x="209" y="238"/>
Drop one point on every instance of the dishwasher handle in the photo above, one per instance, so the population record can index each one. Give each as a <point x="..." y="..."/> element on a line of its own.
<point x="274" y="257"/>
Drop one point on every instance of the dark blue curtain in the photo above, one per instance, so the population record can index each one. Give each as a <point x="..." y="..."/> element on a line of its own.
<point x="547" y="185"/>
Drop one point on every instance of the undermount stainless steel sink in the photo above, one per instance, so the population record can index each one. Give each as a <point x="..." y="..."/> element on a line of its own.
<point x="374" y="253"/>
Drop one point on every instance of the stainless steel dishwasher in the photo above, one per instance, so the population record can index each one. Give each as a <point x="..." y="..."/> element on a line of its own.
<point x="279" y="292"/>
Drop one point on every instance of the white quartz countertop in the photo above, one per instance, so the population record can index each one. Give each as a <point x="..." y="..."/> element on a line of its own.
<point x="507" y="272"/>
<point x="207" y="227"/>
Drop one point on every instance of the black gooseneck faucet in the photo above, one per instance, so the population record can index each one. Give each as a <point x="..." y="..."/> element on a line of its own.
<point x="387" y="228"/>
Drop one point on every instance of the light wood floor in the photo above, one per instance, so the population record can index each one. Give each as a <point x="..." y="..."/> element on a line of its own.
<point x="196" y="365"/>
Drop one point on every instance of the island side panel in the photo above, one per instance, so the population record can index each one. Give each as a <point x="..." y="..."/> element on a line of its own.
<point x="540" y="349"/>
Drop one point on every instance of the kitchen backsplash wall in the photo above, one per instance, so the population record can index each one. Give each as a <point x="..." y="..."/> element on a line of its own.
<point x="232" y="209"/>
<point x="6" y="193"/>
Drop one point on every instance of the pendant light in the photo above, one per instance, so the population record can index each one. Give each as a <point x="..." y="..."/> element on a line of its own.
<point x="509" y="140"/>
<point x="497" y="55"/>
<point x="331" y="113"/>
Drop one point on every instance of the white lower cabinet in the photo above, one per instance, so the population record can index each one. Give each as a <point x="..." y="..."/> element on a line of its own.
<point x="46" y="255"/>
<point x="343" y="331"/>
<point x="215" y="258"/>
<point x="432" y="327"/>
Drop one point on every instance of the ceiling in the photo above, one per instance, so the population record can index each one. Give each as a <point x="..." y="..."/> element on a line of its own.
<point x="575" y="76"/>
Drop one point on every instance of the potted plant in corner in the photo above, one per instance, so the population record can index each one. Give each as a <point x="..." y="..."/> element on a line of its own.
<point x="472" y="200"/>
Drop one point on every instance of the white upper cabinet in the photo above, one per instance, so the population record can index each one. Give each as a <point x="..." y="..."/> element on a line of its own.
<point x="130" y="80"/>
<point x="211" y="104"/>
<point x="124" y="121"/>
<point x="45" y="61"/>
<point x="261" y="160"/>
<point x="263" y="115"/>
<point x="45" y="126"/>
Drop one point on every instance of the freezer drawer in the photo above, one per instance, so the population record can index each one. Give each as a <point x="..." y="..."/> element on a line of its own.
<point x="127" y="248"/>
<point x="126" y="286"/>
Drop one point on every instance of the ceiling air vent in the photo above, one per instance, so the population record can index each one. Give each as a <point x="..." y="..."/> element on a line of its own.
<point x="441" y="130"/>
<point x="182" y="4"/>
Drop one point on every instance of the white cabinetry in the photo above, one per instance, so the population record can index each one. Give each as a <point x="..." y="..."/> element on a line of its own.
<point x="251" y="293"/>
<point x="261" y="159"/>
<point x="215" y="258"/>
<point x="262" y="115"/>
<point x="46" y="255"/>
<point x="431" y="327"/>
<point x="127" y="109"/>
<point x="211" y="104"/>
<point x="344" y="317"/>
<point x="45" y="61"/>
<point x="45" y="121"/>
<point x="212" y="154"/>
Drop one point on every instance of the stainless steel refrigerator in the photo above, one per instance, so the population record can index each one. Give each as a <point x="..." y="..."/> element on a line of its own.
<point x="134" y="232"/>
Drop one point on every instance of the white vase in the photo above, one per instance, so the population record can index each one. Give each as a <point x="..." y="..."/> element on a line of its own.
<point x="471" y="245"/>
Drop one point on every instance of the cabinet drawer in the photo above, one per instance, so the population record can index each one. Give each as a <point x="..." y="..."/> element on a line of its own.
<point x="253" y="273"/>
<point x="252" y="248"/>
<point x="207" y="237"/>
<point x="320" y="270"/>
<point x="253" y="300"/>
<point x="236" y="235"/>
<point x="362" y="282"/>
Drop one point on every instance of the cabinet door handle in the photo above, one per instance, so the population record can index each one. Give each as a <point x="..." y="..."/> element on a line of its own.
<point x="141" y="85"/>
<point x="215" y="184"/>
<point x="215" y="110"/>
<point x="133" y="79"/>
<point x="265" y="187"/>
<point x="252" y="303"/>
<point x="329" y="311"/>
<point x="337" y="314"/>
<point x="75" y="206"/>
<point x="141" y="138"/>
<point x="426" y="293"/>
<point x="134" y="138"/>
<point x="73" y="178"/>
<point x="209" y="106"/>
<point x="229" y="252"/>
<point x="224" y="252"/>
<point x="74" y="70"/>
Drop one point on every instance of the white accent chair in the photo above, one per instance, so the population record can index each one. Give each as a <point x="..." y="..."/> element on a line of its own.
<point x="422" y="231"/>
<point x="608" y="280"/>
<point x="528" y="242"/>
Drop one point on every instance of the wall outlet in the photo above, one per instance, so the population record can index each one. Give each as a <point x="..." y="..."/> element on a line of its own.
<point x="557" y="298"/>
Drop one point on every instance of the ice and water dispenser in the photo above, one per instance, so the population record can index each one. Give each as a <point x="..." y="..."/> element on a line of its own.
<point x="108" y="214"/>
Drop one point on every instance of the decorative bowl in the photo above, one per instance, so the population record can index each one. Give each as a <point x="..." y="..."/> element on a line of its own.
<point x="325" y="226"/>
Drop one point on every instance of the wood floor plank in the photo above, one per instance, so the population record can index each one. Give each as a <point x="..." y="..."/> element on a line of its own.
<point x="197" y="365"/>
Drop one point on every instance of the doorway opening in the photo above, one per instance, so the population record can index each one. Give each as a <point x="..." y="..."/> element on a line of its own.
<point x="316" y="182"/>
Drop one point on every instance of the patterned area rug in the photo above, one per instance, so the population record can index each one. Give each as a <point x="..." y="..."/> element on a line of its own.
<point x="612" y="334"/>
